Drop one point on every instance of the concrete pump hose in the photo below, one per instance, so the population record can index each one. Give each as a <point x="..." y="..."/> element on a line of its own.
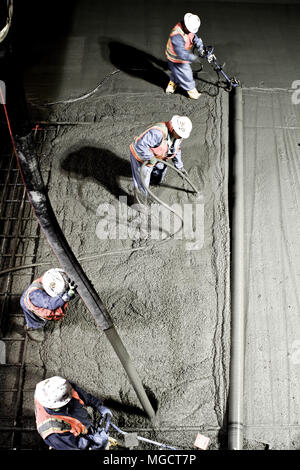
<point x="183" y="176"/>
<point x="162" y="203"/>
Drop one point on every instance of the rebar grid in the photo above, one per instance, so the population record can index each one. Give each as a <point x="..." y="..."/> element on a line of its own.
<point x="19" y="237"/>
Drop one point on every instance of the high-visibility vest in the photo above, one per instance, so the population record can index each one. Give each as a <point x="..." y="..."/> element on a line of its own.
<point x="41" y="312"/>
<point x="161" y="151"/>
<point x="49" y="424"/>
<point x="188" y="44"/>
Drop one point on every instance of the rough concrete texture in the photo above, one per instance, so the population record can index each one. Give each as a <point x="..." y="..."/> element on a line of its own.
<point x="169" y="304"/>
<point x="258" y="43"/>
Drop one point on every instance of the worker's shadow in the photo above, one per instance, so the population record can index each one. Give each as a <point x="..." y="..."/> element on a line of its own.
<point x="100" y="165"/>
<point x="127" y="408"/>
<point x="136" y="62"/>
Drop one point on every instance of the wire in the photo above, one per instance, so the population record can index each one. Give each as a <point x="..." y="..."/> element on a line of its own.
<point x="86" y="95"/>
<point x="8" y="123"/>
<point x="144" y="439"/>
<point x="162" y="203"/>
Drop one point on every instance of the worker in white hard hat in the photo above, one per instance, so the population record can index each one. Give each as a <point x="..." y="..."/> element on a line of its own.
<point x="179" y="53"/>
<point x="62" y="417"/>
<point x="161" y="141"/>
<point x="46" y="299"/>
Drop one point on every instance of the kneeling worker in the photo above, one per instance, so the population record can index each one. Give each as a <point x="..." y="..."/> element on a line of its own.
<point x="46" y="299"/>
<point x="62" y="418"/>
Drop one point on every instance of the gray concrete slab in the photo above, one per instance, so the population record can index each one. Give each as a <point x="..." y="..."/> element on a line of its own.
<point x="272" y="373"/>
<point x="258" y="42"/>
<point x="169" y="304"/>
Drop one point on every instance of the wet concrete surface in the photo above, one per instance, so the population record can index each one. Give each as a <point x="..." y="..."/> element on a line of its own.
<point x="158" y="297"/>
<point x="170" y="304"/>
<point x="257" y="42"/>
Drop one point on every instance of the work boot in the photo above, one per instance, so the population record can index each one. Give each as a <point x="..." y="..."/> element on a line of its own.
<point x="171" y="87"/>
<point x="194" y="94"/>
<point x="35" y="334"/>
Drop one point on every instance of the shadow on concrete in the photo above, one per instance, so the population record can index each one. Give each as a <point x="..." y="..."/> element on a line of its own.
<point x="136" y="62"/>
<point x="124" y="408"/>
<point x="100" y="165"/>
<point x="176" y="188"/>
<point x="40" y="36"/>
<point x="129" y="409"/>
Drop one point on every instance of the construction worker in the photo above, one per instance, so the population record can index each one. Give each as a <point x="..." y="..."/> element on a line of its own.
<point x="46" y="299"/>
<point x="179" y="53"/>
<point x="62" y="418"/>
<point x="161" y="141"/>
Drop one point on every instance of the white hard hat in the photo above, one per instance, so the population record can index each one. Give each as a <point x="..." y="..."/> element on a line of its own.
<point x="192" y="22"/>
<point x="182" y="125"/>
<point x="54" y="281"/>
<point x="54" y="392"/>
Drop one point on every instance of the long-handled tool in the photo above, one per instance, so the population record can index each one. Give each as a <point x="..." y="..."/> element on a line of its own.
<point x="211" y="58"/>
<point x="114" y="442"/>
<point x="183" y="175"/>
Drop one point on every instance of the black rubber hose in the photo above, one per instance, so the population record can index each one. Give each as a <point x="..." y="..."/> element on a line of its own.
<point x="54" y="235"/>
<point x="43" y="210"/>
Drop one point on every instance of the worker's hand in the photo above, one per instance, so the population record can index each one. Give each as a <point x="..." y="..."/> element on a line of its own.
<point x="72" y="289"/>
<point x="183" y="171"/>
<point x="104" y="411"/>
<point x="201" y="52"/>
<point x="152" y="160"/>
<point x="99" y="439"/>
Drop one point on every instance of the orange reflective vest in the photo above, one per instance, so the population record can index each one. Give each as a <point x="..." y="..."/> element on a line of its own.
<point x="41" y="312"/>
<point x="161" y="151"/>
<point x="49" y="424"/>
<point x="188" y="44"/>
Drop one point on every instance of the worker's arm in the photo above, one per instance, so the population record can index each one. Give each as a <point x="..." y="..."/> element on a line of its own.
<point x="199" y="44"/>
<point x="177" y="160"/>
<point x="152" y="138"/>
<point x="89" y="400"/>
<point x="178" y="44"/>
<point x="40" y="298"/>
<point x="67" y="441"/>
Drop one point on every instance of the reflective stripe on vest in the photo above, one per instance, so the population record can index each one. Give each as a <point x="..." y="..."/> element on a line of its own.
<point x="49" y="424"/>
<point x="159" y="152"/>
<point x="188" y="44"/>
<point x="44" y="313"/>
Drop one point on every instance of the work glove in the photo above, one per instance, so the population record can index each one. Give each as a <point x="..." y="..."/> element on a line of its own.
<point x="201" y="52"/>
<point x="103" y="410"/>
<point x="99" y="439"/>
<point x="152" y="160"/>
<point x="71" y="291"/>
<point x="183" y="171"/>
